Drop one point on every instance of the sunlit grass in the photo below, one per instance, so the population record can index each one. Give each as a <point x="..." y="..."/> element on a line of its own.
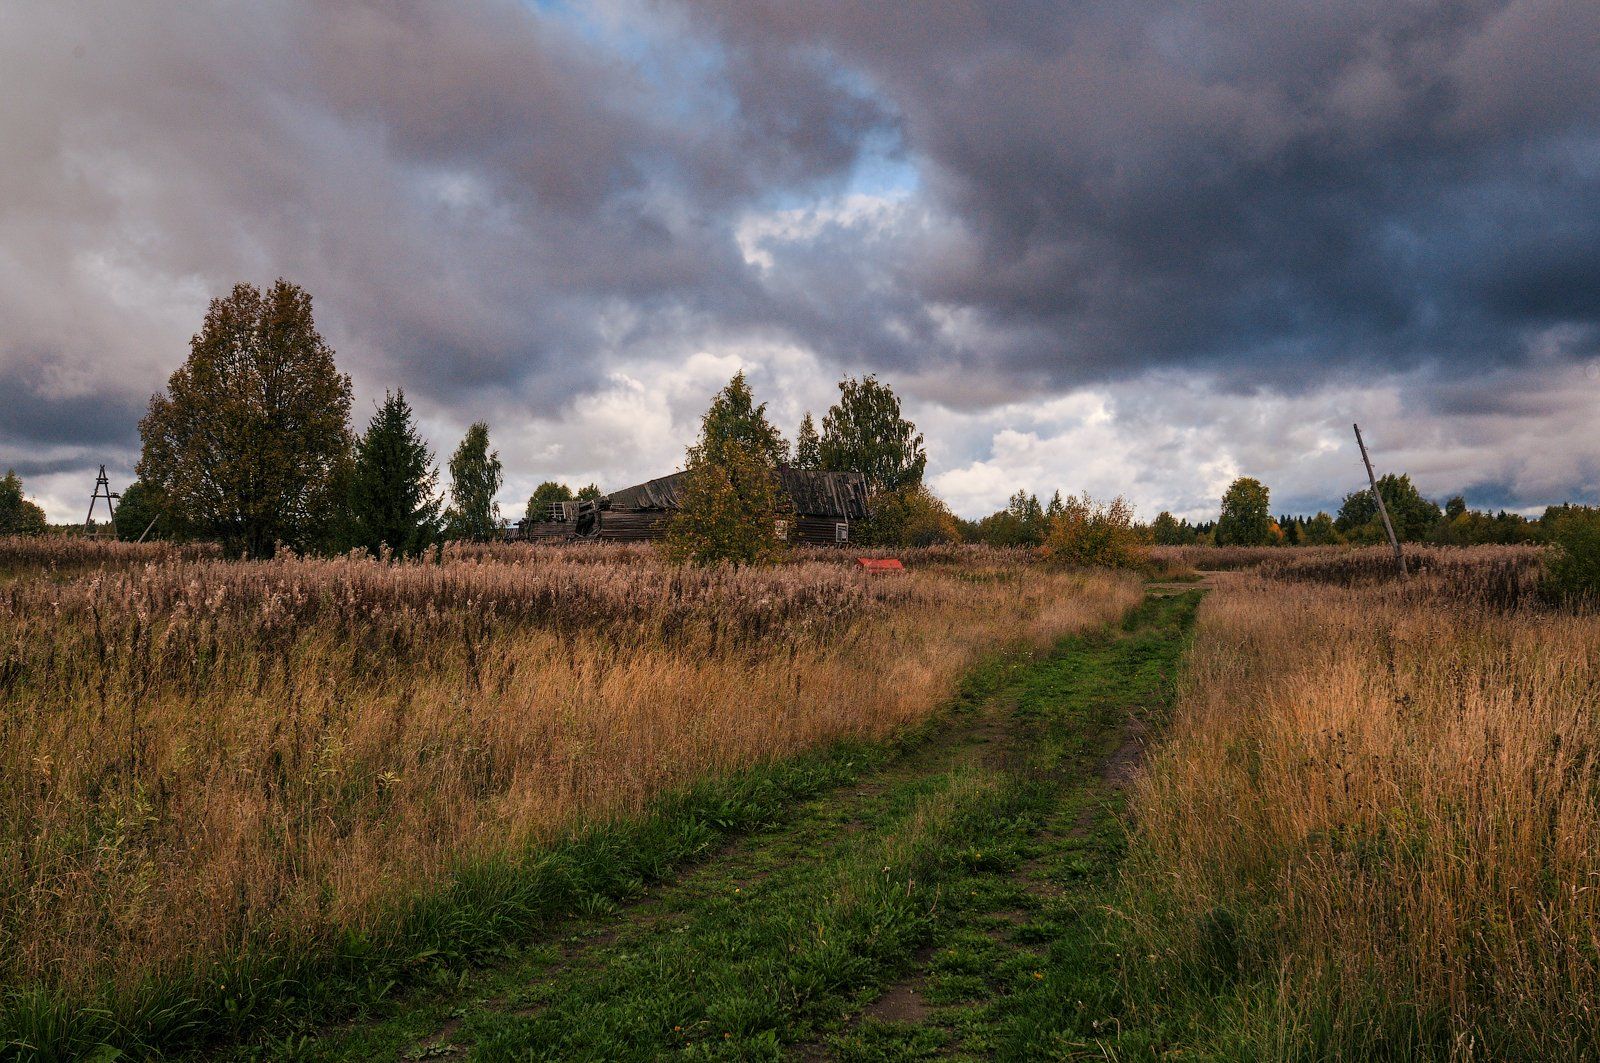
<point x="1374" y="830"/>
<point x="202" y="760"/>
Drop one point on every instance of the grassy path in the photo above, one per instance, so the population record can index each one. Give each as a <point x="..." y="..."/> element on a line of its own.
<point x="944" y="902"/>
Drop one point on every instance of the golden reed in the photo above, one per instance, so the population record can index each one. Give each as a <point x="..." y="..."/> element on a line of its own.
<point x="1382" y="804"/>
<point x="199" y="756"/>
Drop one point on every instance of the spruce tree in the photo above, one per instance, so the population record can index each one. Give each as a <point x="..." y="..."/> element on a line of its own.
<point x="807" y="445"/>
<point x="734" y="416"/>
<point x="392" y="483"/>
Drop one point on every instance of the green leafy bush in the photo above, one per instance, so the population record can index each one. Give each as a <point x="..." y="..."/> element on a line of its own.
<point x="1574" y="570"/>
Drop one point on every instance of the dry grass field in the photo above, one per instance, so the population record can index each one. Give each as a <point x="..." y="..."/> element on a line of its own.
<point x="1374" y="828"/>
<point x="1367" y="825"/>
<point x="201" y="759"/>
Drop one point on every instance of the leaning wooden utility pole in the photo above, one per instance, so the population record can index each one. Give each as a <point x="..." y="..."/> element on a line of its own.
<point x="1383" y="510"/>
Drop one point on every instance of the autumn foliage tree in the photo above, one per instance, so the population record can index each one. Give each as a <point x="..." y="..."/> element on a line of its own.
<point x="730" y="503"/>
<point x="913" y="516"/>
<point x="247" y="444"/>
<point x="729" y="511"/>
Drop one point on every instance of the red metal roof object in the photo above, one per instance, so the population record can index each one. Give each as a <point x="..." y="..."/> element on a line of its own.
<point x="880" y="564"/>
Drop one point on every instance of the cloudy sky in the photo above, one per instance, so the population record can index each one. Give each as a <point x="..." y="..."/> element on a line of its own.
<point x="1129" y="246"/>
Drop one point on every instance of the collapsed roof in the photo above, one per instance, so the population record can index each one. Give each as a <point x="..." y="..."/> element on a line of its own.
<point x="811" y="493"/>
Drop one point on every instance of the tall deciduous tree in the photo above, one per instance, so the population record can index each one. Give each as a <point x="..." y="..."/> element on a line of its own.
<point x="1320" y="531"/>
<point x="807" y="445"/>
<point x="1166" y="531"/>
<point x="864" y="432"/>
<point x="1246" y="514"/>
<point x="392" y="483"/>
<point x="735" y="416"/>
<point x="247" y="443"/>
<point x="18" y="516"/>
<point x="475" y="479"/>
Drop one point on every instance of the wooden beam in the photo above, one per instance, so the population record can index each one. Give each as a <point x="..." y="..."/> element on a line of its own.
<point x="1383" y="510"/>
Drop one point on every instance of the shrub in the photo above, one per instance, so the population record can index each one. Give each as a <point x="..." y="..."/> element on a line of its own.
<point x="912" y="516"/>
<point x="1087" y="533"/>
<point x="1574" y="572"/>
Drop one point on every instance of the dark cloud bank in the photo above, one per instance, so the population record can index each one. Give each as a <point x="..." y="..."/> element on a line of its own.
<point x="496" y="205"/>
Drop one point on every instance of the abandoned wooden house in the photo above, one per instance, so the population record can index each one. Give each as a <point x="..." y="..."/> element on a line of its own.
<point x="819" y="507"/>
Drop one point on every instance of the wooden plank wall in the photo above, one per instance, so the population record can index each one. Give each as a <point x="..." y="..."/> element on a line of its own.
<point x="632" y="526"/>
<point x="816" y="530"/>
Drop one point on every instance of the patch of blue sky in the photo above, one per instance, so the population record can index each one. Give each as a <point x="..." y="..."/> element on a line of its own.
<point x="685" y="72"/>
<point x="884" y="169"/>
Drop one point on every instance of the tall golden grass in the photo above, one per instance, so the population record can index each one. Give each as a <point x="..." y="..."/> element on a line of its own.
<point x="198" y="756"/>
<point x="1228" y="558"/>
<point x="64" y="554"/>
<point x="1501" y="576"/>
<point x="1375" y="825"/>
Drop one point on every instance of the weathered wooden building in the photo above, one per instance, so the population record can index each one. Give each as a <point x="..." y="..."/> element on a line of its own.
<point x="819" y="507"/>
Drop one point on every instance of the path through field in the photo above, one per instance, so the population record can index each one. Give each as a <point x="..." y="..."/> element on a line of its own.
<point x="946" y="903"/>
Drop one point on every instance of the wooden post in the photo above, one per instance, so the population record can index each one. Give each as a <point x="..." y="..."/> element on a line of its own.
<point x="102" y="489"/>
<point x="1383" y="511"/>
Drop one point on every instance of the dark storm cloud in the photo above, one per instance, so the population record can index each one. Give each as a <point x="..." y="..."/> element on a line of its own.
<point x="1279" y="190"/>
<point x="482" y="198"/>
<point x="36" y="419"/>
<point x="501" y="206"/>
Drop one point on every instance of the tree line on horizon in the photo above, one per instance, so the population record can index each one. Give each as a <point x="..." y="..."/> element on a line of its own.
<point x="251" y="446"/>
<point x="1246" y="519"/>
